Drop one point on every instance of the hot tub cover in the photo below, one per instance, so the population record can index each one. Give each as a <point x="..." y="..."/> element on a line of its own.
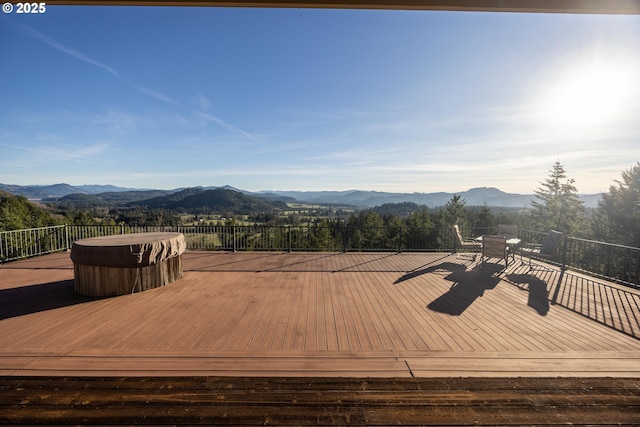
<point x="128" y="250"/>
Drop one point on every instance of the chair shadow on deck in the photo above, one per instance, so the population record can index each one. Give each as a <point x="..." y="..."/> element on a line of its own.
<point x="537" y="288"/>
<point x="468" y="285"/>
<point x="31" y="299"/>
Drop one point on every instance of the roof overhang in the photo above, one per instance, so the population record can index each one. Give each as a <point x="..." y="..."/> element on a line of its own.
<point x="630" y="7"/>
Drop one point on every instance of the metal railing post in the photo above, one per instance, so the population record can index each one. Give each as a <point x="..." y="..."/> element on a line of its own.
<point x="637" y="281"/>
<point x="563" y="265"/>
<point x="344" y="238"/>
<point x="233" y="228"/>
<point x="66" y="237"/>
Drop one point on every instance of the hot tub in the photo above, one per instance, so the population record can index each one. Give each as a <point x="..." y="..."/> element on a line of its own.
<point x="126" y="263"/>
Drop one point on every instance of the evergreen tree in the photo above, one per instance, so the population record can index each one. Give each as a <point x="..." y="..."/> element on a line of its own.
<point x="83" y="218"/>
<point x="617" y="218"/>
<point x="455" y="211"/>
<point x="421" y="233"/>
<point x="420" y="219"/>
<point x="558" y="206"/>
<point x="366" y="230"/>
<point x="483" y="219"/>
<point x="395" y="232"/>
<point x="320" y="236"/>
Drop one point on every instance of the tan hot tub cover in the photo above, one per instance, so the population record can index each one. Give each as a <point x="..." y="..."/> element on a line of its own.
<point x="128" y="250"/>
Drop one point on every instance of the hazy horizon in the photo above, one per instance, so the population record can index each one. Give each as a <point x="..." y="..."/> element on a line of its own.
<point x="275" y="190"/>
<point x="317" y="99"/>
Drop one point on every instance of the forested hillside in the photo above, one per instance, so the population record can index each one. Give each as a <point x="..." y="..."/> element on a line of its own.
<point x="198" y="200"/>
<point x="109" y="199"/>
<point x="17" y="212"/>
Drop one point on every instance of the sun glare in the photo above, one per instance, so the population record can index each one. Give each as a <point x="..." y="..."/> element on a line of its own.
<point x="588" y="96"/>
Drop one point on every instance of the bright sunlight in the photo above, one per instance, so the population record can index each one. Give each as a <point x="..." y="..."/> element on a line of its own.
<point x="589" y="96"/>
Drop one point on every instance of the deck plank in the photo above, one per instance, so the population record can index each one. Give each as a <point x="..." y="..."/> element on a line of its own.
<point x="319" y="401"/>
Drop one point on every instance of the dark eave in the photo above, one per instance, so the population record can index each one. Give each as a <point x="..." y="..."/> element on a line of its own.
<point x="630" y="7"/>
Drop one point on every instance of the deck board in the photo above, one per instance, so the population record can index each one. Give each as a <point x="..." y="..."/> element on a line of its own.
<point x="319" y="401"/>
<point x="416" y="310"/>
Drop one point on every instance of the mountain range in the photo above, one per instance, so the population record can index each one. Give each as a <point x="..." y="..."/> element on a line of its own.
<point x="198" y="198"/>
<point x="109" y="194"/>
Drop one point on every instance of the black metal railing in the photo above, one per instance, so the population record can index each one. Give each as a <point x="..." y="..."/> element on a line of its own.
<point x="613" y="262"/>
<point x="617" y="263"/>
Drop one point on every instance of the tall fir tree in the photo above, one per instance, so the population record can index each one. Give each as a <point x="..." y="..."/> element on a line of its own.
<point x="558" y="205"/>
<point x="455" y="211"/>
<point x="617" y="218"/>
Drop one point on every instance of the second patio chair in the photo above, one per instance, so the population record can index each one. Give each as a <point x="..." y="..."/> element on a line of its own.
<point x="510" y="231"/>
<point x="546" y="250"/>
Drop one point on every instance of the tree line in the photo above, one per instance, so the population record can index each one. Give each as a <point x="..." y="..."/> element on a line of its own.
<point x="556" y="206"/>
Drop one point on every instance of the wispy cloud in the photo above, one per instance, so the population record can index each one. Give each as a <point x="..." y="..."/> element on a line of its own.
<point x="214" y="119"/>
<point x="202" y="101"/>
<point x="69" y="51"/>
<point x="56" y="153"/>
<point x="154" y="94"/>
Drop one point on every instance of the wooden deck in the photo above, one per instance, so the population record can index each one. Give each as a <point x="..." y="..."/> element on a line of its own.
<point x="322" y="339"/>
<point x="321" y="314"/>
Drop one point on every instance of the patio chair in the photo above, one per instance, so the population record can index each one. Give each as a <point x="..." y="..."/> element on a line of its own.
<point x="468" y="244"/>
<point x="545" y="251"/>
<point x="495" y="247"/>
<point x="507" y="230"/>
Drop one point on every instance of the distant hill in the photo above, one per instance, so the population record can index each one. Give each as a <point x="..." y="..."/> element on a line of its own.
<point x="473" y="197"/>
<point x="357" y="198"/>
<point x="271" y="196"/>
<point x="217" y="199"/>
<point x="401" y="209"/>
<point x="81" y="200"/>
<point x="54" y="191"/>
<point x="39" y="192"/>
<point x="96" y="189"/>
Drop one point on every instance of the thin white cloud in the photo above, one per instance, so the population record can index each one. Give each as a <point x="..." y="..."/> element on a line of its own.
<point x="69" y="51"/>
<point x="142" y="89"/>
<point x="202" y="102"/>
<point x="222" y="123"/>
<point x="51" y="154"/>
<point x="154" y="94"/>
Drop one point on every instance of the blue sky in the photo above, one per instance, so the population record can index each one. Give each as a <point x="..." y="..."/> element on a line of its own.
<point x="287" y="99"/>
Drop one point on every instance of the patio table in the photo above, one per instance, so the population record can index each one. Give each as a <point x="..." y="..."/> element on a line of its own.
<point x="120" y="264"/>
